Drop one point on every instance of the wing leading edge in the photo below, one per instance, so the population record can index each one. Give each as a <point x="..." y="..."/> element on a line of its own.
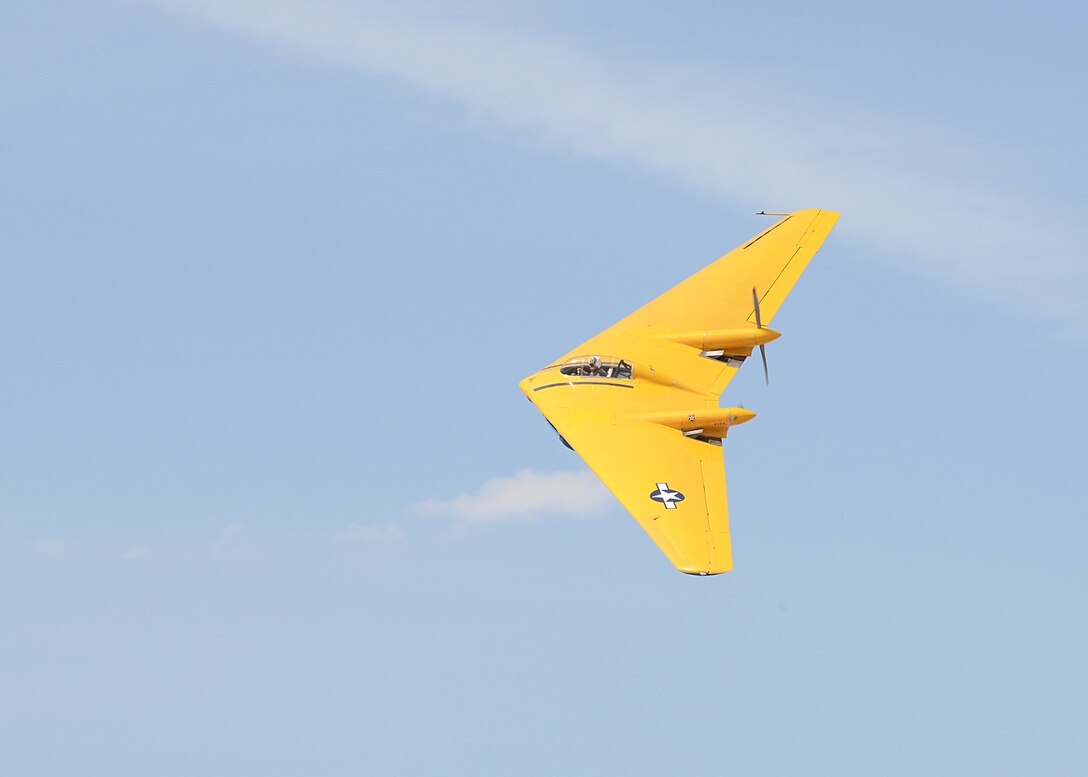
<point x="720" y="295"/>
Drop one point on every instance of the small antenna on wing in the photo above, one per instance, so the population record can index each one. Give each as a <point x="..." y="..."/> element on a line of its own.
<point x="765" y="213"/>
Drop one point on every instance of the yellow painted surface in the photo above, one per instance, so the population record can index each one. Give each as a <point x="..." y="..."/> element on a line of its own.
<point x="650" y="436"/>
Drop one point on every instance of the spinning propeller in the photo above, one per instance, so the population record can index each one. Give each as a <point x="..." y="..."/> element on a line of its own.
<point x="762" y="347"/>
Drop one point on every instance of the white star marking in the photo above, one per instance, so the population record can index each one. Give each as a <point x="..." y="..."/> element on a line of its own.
<point x="666" y="496"/>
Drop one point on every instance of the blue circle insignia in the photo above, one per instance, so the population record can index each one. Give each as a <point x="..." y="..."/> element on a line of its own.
<point x="667" y="496"/>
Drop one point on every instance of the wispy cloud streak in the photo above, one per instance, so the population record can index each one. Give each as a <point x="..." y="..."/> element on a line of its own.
<point x="524" y="495"/>
<point x="895" y="184"/>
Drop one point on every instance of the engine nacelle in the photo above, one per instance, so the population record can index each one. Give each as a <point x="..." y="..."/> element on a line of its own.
<point x="728" y="340"/>
<point x="713" y="424"/>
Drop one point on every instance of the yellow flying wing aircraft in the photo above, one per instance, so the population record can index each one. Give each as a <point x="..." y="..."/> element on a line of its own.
<point x="639" y="402"/>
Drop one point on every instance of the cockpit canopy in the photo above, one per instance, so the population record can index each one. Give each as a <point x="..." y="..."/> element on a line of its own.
<point x="596" y="367"/>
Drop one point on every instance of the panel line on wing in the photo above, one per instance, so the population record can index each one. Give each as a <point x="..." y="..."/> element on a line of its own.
<point x="584" y="383"/>
<point x="766" y="232"/>
<point x="764" y="293"/>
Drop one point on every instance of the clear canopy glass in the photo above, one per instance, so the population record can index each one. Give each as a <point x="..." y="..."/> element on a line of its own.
<point x="596" y="367"/>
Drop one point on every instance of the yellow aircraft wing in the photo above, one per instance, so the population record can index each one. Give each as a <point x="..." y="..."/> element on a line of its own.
<point x="639" y="402"/>
<point x="673" y="485"/>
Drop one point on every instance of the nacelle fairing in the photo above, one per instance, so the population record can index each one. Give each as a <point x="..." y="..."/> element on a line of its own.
<point x="712" y="424"/>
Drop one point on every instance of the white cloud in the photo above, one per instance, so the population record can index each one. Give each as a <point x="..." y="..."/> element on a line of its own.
<point x="226" y="534"/>
<point x="523" y="495"/>
<point x="902" y="187"/>
<point x="361" y="532"/>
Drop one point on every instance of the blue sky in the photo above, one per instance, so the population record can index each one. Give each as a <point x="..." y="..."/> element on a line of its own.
<point x="271" y="502"/>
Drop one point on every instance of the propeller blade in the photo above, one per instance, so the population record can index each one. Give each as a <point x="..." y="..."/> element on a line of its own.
<point x="762" y="347"/>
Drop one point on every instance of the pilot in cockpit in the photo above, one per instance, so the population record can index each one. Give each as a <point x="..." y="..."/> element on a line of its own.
<point x="593" y="367"/>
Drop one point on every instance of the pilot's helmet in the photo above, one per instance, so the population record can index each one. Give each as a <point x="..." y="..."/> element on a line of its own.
<point x="594" y="361"/>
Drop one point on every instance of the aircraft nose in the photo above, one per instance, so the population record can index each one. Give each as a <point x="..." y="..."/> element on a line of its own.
<point x="526" y="386"/>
